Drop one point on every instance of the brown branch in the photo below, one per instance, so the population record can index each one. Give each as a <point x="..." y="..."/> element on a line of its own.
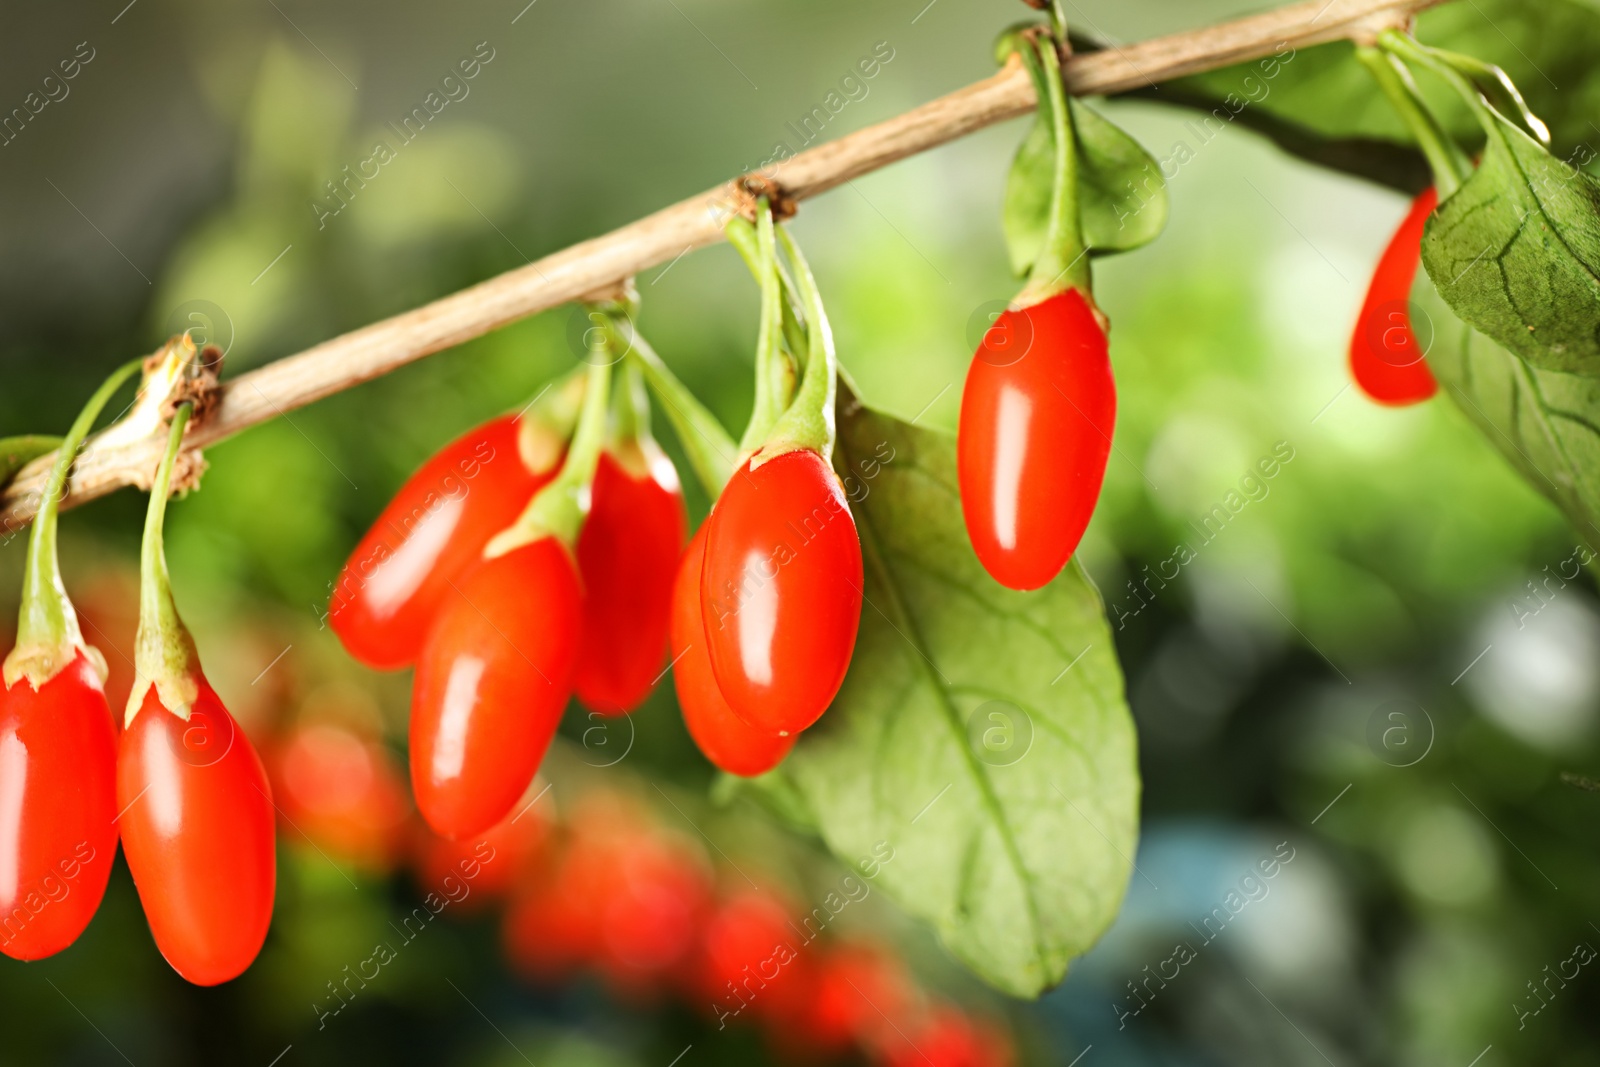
<point x="603" y="262"/>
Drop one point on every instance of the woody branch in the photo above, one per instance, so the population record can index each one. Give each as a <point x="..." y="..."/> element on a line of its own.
<point x="110" y="461"/>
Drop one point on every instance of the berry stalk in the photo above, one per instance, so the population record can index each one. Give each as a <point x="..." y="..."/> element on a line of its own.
<point x="48" y="636"/>
<point x="1063" y="261"/>
<point x="710" y="449"/>
<point x="164" y="654"/>
<point x="558" y="510"/>
<point x="809" y="421"/>
<point x="1448" y="162"/>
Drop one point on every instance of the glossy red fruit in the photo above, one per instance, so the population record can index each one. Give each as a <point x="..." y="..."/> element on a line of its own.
<point x="1385" y="359"/>
<point x="342" y="793"/>
<point x="433" y="530"/>
<point x="725" y="739"/>
<point x="627" y="554"/>
<point x="57" y="809"/>
<point x="781" y="591"/>
<point x="197" y="828"/>
<point x="491" y="684"/>
<point x="1037" y="416"/>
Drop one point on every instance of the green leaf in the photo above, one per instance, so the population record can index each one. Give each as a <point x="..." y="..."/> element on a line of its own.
<point x="1015" y="844"/>
<point x="1545" y="423"/>
<point x="1027" y="200"/>
<point x="1122" y="197"/>
<point x="1516" y="253"/>
<point x="18" y="452"/>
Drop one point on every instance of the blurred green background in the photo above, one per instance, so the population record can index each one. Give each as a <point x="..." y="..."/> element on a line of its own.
<point x="1356" y="665"/>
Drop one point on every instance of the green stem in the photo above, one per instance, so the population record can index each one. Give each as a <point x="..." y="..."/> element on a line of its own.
<point x="47" y="626"/>
<point x="1063" y="261"/>
<point x="632" y="423"/>
<point x="1497" y="85"/>
<point x="743" y="238"/>
<point x="808" y="423"/>
<point x="1407" y="47"/>
<point x="773" y="375"/>
<point x="546" y="422"/>
<point x="164" y="654"/>
<point x="711" y="451"/>
<point x="1448" y="162"/>
<point x="1058" y="20"/>
<point x="558" y="510"/>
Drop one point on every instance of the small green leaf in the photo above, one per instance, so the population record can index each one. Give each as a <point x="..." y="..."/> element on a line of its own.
<point x="982" y="734"/>
<point x="1545" y="423"/>
<point x="1516" y="253"/>
<point x="18" y="452"/>
<point x="1027" y="201"/>
<point x="1122" y="197"/>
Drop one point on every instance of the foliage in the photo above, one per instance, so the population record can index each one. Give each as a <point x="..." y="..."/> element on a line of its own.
<point x="982" y="733"/>
<point x="1373" y="558"/>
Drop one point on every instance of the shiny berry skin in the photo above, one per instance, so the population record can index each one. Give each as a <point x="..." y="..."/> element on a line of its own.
<point x="342" y="793"/>
<point x="197" y="828"/>
<point x="491" y="684"/>
<point x="781" y="591"/>
<point x="1037" y="416"/>
<point x="722" y="736"/>
<point x="58" y="810"/>
<point x="433" y="530"/>
<point x="627" y="554"/>
<point x="1385" y="360"/>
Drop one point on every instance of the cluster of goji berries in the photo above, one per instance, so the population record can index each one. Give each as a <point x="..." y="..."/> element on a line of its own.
<point x="609" y="891"/>
<point x="502" y="639"/>
<point x="178" y="782"/>
<point x="542" y="555"/>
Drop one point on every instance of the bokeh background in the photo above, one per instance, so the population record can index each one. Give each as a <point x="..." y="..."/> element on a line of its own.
<point x="1368" y="669"/>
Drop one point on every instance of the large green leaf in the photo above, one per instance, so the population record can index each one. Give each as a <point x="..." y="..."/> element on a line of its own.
<point x="981" y="735"/>
<point x="1547" y="424"/>
<point x="1122" y="197"/>
<point x="1516" y="253"/>
<point x="17" y="452"/>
